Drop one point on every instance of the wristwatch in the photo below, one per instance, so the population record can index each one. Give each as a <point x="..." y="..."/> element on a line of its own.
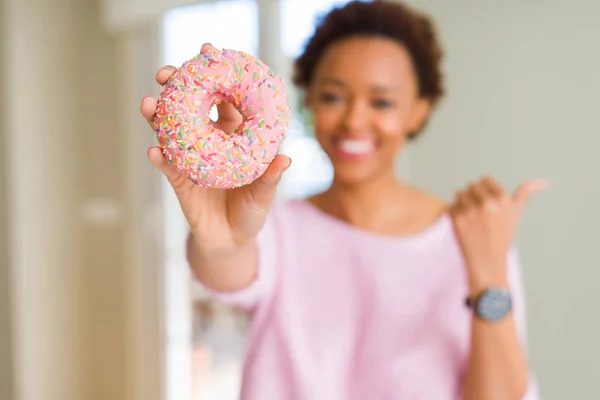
<point x="492" y="305"/>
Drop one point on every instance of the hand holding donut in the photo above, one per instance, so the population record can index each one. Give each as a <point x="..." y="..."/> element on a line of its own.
<point x="221" y="220"/>
<point x="485" y="221"/>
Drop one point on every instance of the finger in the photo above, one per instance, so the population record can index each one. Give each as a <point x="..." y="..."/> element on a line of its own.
<point x="163" y="74"/>
<point x="148" y="109"/>
<point x="478" y="194"/>
<point x="228" y="114"/>
<point x="454" y="209"/>
<point x="229" y="118"/>
<point x="464" y="200"/>
<point x="157" y="158"/>
<point x="459" y="206"/>
<point x="206" y="47"/>
<point x="526" y="190"/>
<point x="263" y="189"/>
<point x="493" y="187"/>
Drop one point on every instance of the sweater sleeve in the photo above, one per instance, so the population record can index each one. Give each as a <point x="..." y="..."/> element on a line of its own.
<point x="515" y="277"/>
<point x="517" y="289"/>
<point x="251" y="296"/>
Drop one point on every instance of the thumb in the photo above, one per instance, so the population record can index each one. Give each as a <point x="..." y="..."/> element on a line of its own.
<point x="263" y="189"/>
<point x="176" y="178"/>
<point x="526" y="190"/>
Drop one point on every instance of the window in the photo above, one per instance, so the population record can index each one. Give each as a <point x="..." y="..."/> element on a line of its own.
<point x="298" y="18"/>
<point x="187" y="28"/>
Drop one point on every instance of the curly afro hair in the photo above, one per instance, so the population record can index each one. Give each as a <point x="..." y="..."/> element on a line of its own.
<point x="389" y="19"/>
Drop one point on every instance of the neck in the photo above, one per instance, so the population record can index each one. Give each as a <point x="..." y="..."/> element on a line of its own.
<point x="365" y="204"/>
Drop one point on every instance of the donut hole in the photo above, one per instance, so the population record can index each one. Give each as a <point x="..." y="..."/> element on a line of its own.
<point x="227" y="126"/>
<point x="213" y="114"/>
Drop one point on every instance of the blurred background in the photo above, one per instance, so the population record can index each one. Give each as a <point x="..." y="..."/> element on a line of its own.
<point x="96" y="300"/>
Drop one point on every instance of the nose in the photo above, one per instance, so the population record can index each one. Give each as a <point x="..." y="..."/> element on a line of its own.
<point x="356" y="117"/>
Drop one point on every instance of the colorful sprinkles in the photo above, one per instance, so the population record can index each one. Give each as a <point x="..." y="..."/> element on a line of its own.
<point x="208" y="156"/>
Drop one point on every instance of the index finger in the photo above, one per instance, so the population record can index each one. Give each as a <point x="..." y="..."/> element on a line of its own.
<point x="493" y="187"/>
<point x="163" y="74"/>
<point x="206" y="47"/>
<point x="148" y="109"/>
<point x="228" y="114"/>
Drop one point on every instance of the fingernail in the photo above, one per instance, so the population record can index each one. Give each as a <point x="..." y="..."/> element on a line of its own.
<point x="280" y="174"/>
<point x="288" y="166"/>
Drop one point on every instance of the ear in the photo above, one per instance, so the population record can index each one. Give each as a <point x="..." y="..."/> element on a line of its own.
<point x="419" y="115"/>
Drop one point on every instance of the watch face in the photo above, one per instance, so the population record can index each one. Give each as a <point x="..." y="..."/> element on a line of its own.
<point x="494" y="304"/>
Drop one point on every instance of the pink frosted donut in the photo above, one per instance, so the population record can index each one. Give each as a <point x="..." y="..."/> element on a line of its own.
<point x="208" y="156"/>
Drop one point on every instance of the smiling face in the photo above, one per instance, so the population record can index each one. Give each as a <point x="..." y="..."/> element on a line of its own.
<point x="365" y="103"/>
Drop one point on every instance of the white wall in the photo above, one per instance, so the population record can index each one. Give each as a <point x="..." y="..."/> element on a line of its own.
<point x="523" y="88"/>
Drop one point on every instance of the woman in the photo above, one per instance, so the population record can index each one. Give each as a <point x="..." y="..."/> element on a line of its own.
<point x="359" y="292"/>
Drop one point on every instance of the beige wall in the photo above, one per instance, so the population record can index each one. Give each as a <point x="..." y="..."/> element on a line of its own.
<point x="64" y="149"/>
<point x="6" y="354"/>
<point x="101" y="177"/>
<point x="47" y="284"/>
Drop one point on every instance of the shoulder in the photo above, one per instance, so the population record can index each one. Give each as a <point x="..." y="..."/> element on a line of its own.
<point x="427" y="209"/>
<point x="428" y="201"/>
<point x="434" y="216"/>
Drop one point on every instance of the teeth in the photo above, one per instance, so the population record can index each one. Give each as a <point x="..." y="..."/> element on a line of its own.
<point x="356" y="146"/>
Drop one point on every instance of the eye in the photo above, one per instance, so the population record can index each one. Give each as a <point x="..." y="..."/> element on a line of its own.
<point x="329" y="97"/>
<point x="382" y="103"/>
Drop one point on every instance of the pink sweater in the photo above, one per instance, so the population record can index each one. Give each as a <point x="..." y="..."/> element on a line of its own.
<point x="343" y="314"/>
